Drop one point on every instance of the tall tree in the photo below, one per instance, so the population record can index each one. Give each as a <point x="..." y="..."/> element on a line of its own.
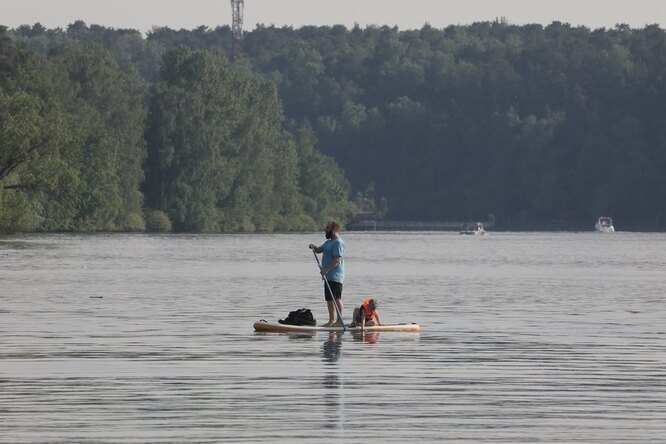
<point x="32" y="136"/>
<point x="108" y="147"/>
<point x="218" y="158"/>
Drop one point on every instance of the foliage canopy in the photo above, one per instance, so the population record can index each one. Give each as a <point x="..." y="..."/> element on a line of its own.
<point x="539" y="126"/>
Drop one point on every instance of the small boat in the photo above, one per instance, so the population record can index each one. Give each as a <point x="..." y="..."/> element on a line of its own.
<point x="604" y="225"/>
<point x="276" y="327"/>
<point x="475" y="229"/>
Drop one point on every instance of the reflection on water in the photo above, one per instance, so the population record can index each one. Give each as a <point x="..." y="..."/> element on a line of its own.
<point x="332" y="348"/>
<point x="532" y="337"/>
<point x="333" y="383"/>
<point x="367" y="337"/>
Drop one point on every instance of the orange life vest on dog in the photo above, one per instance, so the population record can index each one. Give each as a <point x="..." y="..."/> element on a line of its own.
<point x="369" y="314"/>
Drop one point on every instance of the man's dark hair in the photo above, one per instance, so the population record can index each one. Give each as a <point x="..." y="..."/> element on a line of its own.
<point x="335" y="226"/>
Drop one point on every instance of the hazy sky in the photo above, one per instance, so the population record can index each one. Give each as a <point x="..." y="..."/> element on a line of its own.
<point x="144" y="14"/>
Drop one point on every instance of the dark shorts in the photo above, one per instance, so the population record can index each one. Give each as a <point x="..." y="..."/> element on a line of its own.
<point x="336" y="288"/>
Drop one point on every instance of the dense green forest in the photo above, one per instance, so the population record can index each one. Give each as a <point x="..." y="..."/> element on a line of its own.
<point x="89" y="144"/>
<point x="105" y="129"/>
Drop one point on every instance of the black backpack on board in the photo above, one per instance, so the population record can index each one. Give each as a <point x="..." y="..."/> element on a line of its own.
<point x="302" y="316"/>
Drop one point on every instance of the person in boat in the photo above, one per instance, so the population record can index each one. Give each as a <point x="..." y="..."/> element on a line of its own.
<point x="333" y="270"/>
<point x="366" y="314"/>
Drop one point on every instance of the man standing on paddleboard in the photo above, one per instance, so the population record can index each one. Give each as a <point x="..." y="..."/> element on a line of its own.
<point x="333" y="270"/>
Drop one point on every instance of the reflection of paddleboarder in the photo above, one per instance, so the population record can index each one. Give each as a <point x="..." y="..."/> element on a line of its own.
<point x="366" y="314"/>
<point x="331" y="349"/>
<point x="366" y="337"/>
<point x="333" y="271"/>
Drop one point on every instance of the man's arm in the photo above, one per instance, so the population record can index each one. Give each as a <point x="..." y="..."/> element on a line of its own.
<point x="315" y="248"/>
<point x="334" y="263"/>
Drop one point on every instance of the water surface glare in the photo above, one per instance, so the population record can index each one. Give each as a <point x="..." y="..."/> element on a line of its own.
<point x="527" y="337"/>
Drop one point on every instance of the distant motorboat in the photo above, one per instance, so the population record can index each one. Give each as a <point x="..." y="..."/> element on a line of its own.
<point x="604" y="225"/>
<point x="475" y="229"/>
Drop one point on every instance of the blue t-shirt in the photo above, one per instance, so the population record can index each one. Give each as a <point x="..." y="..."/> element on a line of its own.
<point x="332" y="248"/>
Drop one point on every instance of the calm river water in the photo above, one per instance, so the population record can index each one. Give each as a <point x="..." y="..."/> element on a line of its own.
<point x="527" y="337"/>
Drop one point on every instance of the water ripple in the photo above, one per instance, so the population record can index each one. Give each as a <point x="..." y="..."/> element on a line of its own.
<point x="527" y="337"/>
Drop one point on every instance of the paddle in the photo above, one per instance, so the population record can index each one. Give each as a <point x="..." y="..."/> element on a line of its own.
<point x="335" y="304"/>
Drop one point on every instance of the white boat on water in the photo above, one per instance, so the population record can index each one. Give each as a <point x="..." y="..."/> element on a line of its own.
<point x="604" y="225"/>
<point x="475" y="229"/>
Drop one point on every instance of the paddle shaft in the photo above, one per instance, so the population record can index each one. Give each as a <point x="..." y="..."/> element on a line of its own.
<point x="335" y="303"/>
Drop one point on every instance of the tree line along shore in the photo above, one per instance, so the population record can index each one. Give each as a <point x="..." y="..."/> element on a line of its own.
<point x="106" y="129"/>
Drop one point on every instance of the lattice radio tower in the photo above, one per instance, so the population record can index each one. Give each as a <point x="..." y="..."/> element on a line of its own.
<point x="237" y="29"/>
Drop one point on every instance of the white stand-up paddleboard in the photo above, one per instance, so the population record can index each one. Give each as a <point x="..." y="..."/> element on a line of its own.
<point x="285" y="328"/>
